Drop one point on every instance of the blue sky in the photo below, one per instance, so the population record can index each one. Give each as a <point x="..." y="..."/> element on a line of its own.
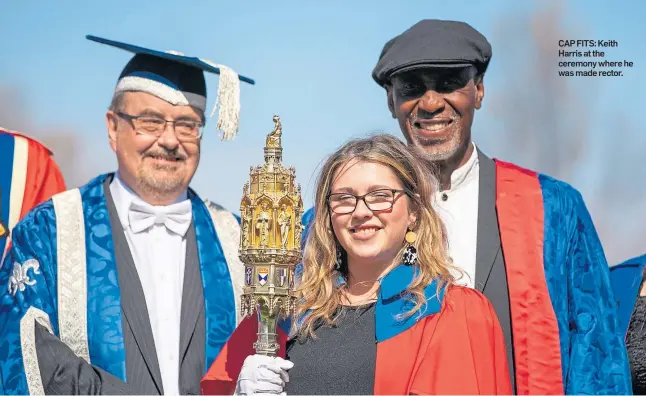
<point x="312" y="63"/>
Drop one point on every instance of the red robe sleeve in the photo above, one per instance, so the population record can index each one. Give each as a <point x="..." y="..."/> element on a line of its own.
<point x="43" y="178"/>
<point x="35" y="178"/>
<point x="466" y="349"/>
<point x="221" y="377"/>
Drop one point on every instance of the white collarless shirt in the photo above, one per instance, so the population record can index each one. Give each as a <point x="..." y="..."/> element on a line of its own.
<point x="159" y="257"/>
<point x="458" y="209"/>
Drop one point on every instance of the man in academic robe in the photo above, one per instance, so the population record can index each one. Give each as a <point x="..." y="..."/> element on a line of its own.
<point x="129" y="284"/>
<point x="523" y="238"/>
<point x="28" y="177"/>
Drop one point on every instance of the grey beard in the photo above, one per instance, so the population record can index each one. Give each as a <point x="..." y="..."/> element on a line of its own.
<point x="160" y="187"/>
<point x="435" y="156"/>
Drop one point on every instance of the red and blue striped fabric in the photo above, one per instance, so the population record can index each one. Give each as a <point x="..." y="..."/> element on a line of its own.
<point x="535" y="329"/>
<point x="564" y="321"/>
<point x="28" y="177"/>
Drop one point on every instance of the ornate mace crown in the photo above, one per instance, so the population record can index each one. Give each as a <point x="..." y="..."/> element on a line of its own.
<point x="270" y="241"/>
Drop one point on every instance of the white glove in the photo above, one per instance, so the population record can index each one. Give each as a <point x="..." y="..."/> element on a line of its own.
<point x="263" y="374"/>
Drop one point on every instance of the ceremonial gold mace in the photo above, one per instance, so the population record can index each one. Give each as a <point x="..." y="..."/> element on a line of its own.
<point x="270" y="241"/>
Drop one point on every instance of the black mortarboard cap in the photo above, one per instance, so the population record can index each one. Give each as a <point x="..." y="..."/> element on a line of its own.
<point x="179" y="80"/>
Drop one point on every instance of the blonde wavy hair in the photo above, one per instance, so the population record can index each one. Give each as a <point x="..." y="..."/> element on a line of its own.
<point x="319" y="295"/>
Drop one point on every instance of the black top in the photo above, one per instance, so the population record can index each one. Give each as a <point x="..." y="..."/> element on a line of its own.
<point x="340" y="360"/>
<point x="636" y="345"/>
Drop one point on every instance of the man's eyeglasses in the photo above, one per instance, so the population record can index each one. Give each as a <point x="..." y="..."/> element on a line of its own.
<point x="155" y="126"/>
<point x="376" y="201"/>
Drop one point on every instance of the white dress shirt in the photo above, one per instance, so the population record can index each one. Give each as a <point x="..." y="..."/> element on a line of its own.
<point x="458" y="209"/>
<point x="159" y="257"/>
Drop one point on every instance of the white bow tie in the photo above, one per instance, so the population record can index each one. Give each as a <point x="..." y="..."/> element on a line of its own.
<point x="176" y="217"/>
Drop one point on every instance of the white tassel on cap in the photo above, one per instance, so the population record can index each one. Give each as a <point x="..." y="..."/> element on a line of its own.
<point x="228" y="99"/>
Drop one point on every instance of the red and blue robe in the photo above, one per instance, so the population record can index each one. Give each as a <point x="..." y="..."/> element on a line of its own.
<point x="566" y="333"/>
<point x="28" y="177"/>
<point x="564" y="321"/>
<point x="455" y="347"/>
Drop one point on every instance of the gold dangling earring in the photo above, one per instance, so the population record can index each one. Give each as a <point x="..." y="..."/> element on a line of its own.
<point x="410" y="253"/>
<point x="411" y="237"/>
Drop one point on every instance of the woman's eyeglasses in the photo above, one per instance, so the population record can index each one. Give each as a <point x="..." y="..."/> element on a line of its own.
<point x="376" y="201"/>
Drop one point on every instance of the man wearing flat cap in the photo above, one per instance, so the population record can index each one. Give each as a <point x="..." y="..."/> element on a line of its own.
<point x="524" y="239"/>
<point x="131" y="283"/>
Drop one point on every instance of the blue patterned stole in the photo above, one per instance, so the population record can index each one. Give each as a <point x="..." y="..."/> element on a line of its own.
<point x="104" y="318"/>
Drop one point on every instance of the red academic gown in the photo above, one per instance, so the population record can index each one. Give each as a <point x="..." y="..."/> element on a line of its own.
<point x="456" y="347"/>
<point x="28" y="177"/>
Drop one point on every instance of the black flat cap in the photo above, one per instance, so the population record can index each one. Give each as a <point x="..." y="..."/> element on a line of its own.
<point x="433" y="43"/>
